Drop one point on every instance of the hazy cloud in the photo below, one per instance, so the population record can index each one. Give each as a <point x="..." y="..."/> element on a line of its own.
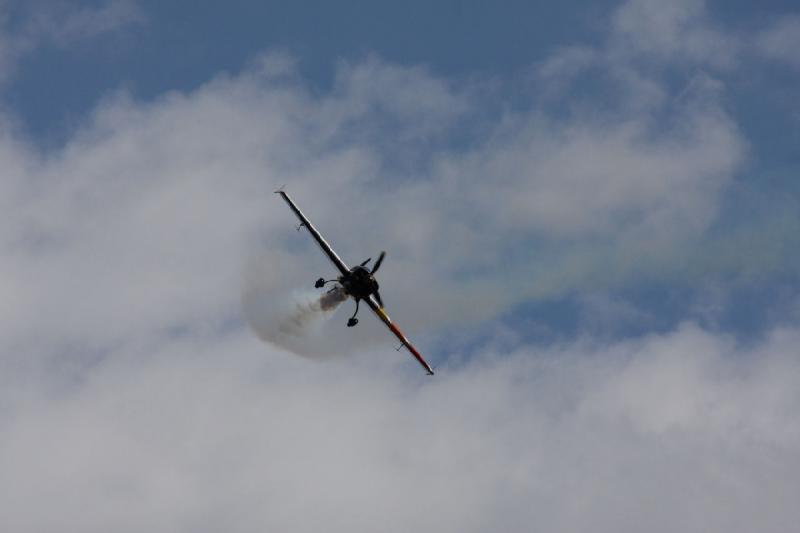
<point x="678" y="31"/>
<point x="134" y="397"/>
<point x="39" y="23"/>
<point x="781" y="40"/>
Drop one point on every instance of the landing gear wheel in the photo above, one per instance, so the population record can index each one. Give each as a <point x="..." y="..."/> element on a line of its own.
<point x="352" y="322"/>
<point x="320" y="283"/>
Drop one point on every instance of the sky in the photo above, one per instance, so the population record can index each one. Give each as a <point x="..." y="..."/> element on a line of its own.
<point x="591" y="213"/>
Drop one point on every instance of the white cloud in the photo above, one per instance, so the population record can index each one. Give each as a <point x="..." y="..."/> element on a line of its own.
<point x="144" y="221"/>
<point x="683" y="431"/>
<point x="132" y="397"/>
<point x="639" y="178"/>
<point x="122" y="222"/>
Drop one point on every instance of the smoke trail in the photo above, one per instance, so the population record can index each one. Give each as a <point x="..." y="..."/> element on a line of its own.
<point x="292" y="320"/>
<point x="308" y="313"/>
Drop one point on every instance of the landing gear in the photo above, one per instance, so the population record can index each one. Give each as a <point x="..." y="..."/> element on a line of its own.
<point x="353" y="320"/>
<point x="320" y="283"/>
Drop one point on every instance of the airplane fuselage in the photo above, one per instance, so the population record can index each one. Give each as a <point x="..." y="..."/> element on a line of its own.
<point x="359" y="283"/>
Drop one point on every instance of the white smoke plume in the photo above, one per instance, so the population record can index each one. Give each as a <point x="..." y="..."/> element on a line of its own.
<point x="308" y="313"/>
<point x="292" y="321"/>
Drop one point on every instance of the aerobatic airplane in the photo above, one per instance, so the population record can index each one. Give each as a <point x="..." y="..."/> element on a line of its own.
<point x="357" y="282"/>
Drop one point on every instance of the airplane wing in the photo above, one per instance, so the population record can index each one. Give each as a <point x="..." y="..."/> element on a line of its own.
<point x="380" y="313"/>
<point x="314" y="233"/>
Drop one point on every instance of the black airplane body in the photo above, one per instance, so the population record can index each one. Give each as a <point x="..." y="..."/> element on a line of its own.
<point x="358" y="282"/>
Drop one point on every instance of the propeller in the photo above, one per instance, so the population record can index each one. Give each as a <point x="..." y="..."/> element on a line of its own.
<point x="365" y="262"/>
<point x="378" y="262"/>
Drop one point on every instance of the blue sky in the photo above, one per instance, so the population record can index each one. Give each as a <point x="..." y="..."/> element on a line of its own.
<point x="591" y="218"/>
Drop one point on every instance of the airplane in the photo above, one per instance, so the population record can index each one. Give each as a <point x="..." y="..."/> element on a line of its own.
<point x="358" y="282"/>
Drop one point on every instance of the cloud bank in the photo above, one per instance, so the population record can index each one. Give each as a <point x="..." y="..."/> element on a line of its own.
<point x="134" y="396"/>
<point x="684" y="431"/>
